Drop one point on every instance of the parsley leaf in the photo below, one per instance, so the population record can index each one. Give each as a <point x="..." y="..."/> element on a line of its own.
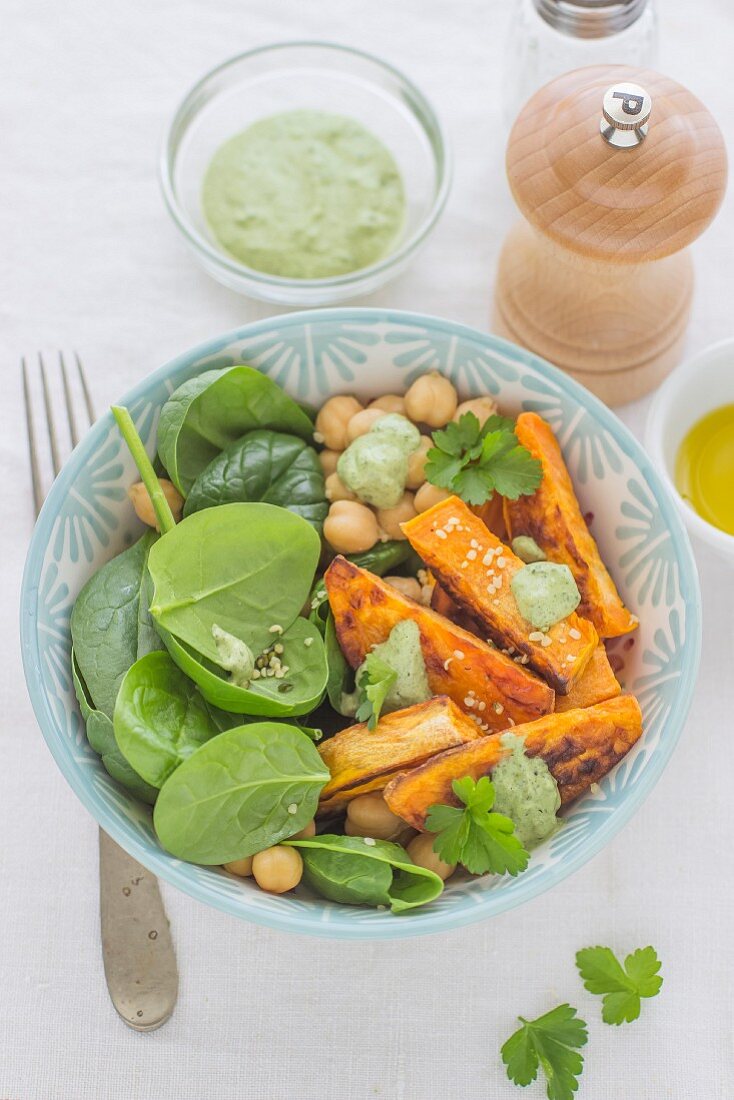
<point x="480" y="840"/>
<point x="474" y="460"/>
<point x="549" y="1042"/>
<point x="623" y="986"/>
<point x="374" y="682"/>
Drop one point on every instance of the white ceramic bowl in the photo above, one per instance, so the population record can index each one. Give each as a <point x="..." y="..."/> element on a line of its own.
<point x="697" y="387"/>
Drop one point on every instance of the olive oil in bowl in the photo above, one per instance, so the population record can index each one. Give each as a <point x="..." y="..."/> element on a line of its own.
<point x="704" y="468"/>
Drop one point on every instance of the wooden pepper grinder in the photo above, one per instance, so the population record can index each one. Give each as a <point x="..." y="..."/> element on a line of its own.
<point x="616" y="170"/>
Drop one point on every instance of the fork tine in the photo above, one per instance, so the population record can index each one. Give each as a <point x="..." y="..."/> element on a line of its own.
<point x="85" y="390"/>
<point x="32" y="447"/>
<point x="50" y="423"/>
<point x="69" y="403"/>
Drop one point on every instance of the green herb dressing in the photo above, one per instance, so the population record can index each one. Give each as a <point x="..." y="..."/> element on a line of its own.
<point x="304" y="195"/>
<point x="402" y="652"/>
<point x="545" y="593"/>
<point x="526" y="792"/>
<point x="235" y="656"/>
<point x="375" y="465"/>
<point x="526" y="549"/>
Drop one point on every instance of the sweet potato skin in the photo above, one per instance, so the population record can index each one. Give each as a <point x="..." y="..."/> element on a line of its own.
<point x="579" y="747"/>
<point x="458" y="663"/>
<point x="447" y="548"/>
<point x="596" y="683"/>
<point x="361" y="760"/>
<point x="553" y="517"/>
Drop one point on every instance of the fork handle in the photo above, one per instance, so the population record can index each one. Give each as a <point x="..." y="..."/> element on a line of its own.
<point x="137" y="949"/>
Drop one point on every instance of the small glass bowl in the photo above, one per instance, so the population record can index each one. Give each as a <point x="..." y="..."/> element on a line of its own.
<point x="320" y="76"/>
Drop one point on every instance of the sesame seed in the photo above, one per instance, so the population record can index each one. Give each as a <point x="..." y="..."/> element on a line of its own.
<point x="501" y="562"/>
<point x="453" y="520"/>
<point x="447" y="662"/>
<point x="474" y="544"/>
<point x="318" y="437"/>
<point x="468" y="701"/>
<point x="496" y="603"/>
<point x="276" y="628"/>
<point x="278" y="648"/>
<point x="574" y="633"/>
<point x="440" y="534"/>
<point x="482" y="705"/>
<point x="370" y="842"/>
<point x="570" y="659"/>
<point x="293" y="808"/>
<point x="471" y="555"/>
<point x="546" y="640"/>
<point x="535" y="636"/>
<point x="459" y="654"/>
<point x="465" y="565"/>
<point x="308" y="642"/>
<point x="256" y="674"/>
<point x="497" y="708"/>
<point x="487" y="559"/>
<point x="510" y="721"/>
<point x="523" y="661"/>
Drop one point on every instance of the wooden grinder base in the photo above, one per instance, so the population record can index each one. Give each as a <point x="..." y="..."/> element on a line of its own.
<point x="619" y="333"/>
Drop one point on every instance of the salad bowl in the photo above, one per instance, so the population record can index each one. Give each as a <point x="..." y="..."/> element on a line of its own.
<point x="87" y="519"/>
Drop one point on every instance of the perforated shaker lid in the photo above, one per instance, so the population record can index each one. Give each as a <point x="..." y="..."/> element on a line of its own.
<point x="617" y="163"/>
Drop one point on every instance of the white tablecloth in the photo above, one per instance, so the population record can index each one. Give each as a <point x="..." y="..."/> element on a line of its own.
<point x="88" y="260"/>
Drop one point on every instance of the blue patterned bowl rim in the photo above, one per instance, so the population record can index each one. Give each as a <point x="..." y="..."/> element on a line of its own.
<point x="421" y="922"/>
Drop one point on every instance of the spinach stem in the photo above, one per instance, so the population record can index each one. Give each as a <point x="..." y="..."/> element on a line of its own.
<point x="129" y="433"/>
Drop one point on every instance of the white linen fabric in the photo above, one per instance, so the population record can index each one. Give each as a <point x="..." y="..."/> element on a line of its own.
<point x="89" y="260"/>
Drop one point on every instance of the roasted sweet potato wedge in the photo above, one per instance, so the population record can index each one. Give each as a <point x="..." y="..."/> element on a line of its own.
<point x="595" y="684"/>
<point x="483" y="682"/>
<point x="579" y="747"/>
<point x="361" y="760"/>
<point x="476" y="569"/>
<point x="492" y="515"/>
<point x="553" y="517"/>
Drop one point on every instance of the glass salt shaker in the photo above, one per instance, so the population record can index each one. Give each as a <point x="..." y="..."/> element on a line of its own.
<point x="551" y="37"/>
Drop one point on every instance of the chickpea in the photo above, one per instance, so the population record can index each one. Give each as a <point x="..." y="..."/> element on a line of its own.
<point x="277" y="869"/>
<point x="336" y="489"/>
<point x="143" y="505"/>
<point x="417" y="464"/>
<point x="362" y="421"/>
<point x="369" y="815"/>
<point x="431" y="400"/>
<point x="390" y="519"/>
<point x="306" y="832"/>
<point x="241" y="867"/>
<point x="332" y="420"/>
<point x="420" y="850"/>
<point x="407" y="585"/>
<point x="427" y="496"/>
<point x="390" y="403"/>
<point x="351" y="527"/>
<point x="482" y="407"/>
<point x="328" y="460"/>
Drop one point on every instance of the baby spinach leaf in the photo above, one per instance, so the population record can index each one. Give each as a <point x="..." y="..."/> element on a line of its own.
<point x="207" y="413"/>
<point x="298" y="692"/>
<point x="361" y="871"/>
<point x="388" y="557"/>
<point x="263" y="465"/>
<point x="110" y="625"/>
<point x="161" y="718"/>
<point x="101" y="737"/>
<point x="244" y="567"/>
<point x="243" y="791"/>
<point x="340" y="682"/>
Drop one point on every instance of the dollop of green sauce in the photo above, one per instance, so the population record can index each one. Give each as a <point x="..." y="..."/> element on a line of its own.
<point x="526" y="549"/>
<point x="305" y="195"/>
<point x="402" y="651"/>
<point x="545" y="593"/>
<point x="526" y="792"/>
<point x="235" y="656"/>
<point x="375" y="465"/>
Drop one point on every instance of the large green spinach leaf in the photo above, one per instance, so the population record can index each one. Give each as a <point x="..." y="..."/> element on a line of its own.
<point x="298" y="692"/>
<point x="101" y="737"/>
<point x="269" y="466"/>
<point x="110" y="624"/>
<point x="161" y="718"/>
<point x="241" y="792"/>
<point x="247" y="568"/>
<point x="361" y="871"/>
<point x="207" y="413"/>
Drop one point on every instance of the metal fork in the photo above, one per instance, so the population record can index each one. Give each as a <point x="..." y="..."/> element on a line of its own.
<point x="137" y="949"/>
